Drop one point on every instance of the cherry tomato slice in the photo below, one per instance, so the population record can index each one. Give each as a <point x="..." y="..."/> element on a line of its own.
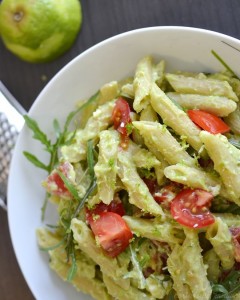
<point x="121" y="117"/>
<point x="191" y="208"/>
<point x="112" y="233"/>
<point x="162" y="195"/>
<point x="208" y="122"/>
<point x="115" y="206"/>
<point x="54" y="183"/>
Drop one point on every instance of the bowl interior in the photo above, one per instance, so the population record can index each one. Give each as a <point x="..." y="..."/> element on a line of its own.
<point x="183" y="48"/>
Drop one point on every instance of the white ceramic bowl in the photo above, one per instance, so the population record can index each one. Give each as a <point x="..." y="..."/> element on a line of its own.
<point x="183" y="48"/>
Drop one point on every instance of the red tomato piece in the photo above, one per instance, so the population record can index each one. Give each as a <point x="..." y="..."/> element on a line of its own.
<point x="191" y="208"/>
<point x="208" y="122"/>
<point x="163" y="195"/>
<point x="115" y="206"/>
<point x="54" y="183"/>
<point x="121" y="117"/>
<point x="112" y="233"/>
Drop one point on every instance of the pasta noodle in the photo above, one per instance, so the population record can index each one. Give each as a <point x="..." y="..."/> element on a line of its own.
<point x="220" y="237"/>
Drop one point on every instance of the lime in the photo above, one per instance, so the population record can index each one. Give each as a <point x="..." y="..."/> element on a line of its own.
<point x="39" y="30"/>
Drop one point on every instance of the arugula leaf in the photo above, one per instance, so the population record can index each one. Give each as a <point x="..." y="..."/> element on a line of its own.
<point x="71" y="188"/>
<point x="66" y="221"/>
<point x="61" y="136"/>
<point x="35" y="161"/>
<point x="38" y="134"/>
<point x="89" y="191"/>
<point x="227" y="287"/>
<point x="72" y="271"/>
<point x="90" y="158"/>
<point x="57" y="128"/>
<point x="52" y="247"/>
<point x="225" y="64"/>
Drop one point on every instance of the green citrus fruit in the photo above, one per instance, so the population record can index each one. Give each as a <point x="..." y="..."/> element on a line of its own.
<point x="39" y="30"/>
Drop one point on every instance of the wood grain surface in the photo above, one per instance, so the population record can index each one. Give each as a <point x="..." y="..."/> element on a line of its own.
<point x="101" y="19"/>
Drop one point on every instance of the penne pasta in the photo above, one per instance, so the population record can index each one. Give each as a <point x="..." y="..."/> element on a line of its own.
<point x="217" y="105"/>
<point x="220" y="237"/>
<point x="174" y="117"/>
<point x="163" y="142"/>
<point x="142" y="83"/>
<point x="226" y="162"/>
<point x="193" y="177"/>
<point x="106" y="167"/>
<point x="203" y="86"/>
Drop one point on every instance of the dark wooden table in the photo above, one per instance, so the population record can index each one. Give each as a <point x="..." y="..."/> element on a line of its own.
<point x="101" y="20"/>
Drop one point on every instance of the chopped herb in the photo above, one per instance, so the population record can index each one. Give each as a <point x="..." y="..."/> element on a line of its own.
<point x="183" y="142"/>
<point x="111" y="162"/>
<point x="129" y="128"/>
<point x="145" y="173"/>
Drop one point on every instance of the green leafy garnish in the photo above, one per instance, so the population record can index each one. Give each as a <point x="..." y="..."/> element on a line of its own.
<point x="62" y="138"/>
<point x="35" y="161"/>
<point x="225" y="64"/>
<point x="90" y="158"/>
<point x="38" y="134"/>
<point x="80" y="204"/>
<point x="83" y="200"/>
<point x="71" y="188"/>
<point x="228" y="287"/>
<point x="72" y="271"/>
<point x="129" y="128"/>
<point x="145" y="173"/>
<point x="52" y="247"/>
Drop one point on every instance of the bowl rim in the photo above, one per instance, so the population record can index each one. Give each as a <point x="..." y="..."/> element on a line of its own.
<point x="129" y="33"/>
<point x="85" y="53"/>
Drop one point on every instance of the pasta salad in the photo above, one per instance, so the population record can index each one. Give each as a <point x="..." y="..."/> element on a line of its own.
<point x="147" y="188"/>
